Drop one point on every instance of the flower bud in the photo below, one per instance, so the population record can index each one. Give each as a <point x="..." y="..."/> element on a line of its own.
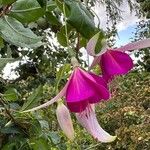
<point x="64" y="120"/>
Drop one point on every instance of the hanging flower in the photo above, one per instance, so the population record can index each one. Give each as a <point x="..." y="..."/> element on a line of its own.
<point x="114" y="61"/>
<point x="81" y="90"/>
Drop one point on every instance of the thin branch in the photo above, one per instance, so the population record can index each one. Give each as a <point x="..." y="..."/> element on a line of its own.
<point x="78" y="43"/>
<point x="2" y="102"/>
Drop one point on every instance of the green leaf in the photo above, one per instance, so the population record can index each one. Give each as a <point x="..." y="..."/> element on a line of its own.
<point x="42" y="23"/>
<point x="15" y="33"/>
<point x="61" y="74"/>
<point x="9" y="146"/>
<point x="10" y="130"/>
<point x="54" y="137"/>
<point x="99" y="43"/>
<point x="1" y="43"/>
<point x="6" y="2"/>
<point x="9" y="52"/>
<point x="42" y="3"/>
<point x="51" y="5"/>
<point x="27" y="11"/>
<point x="52" y="19"/>
<point x="60" y="6"/>
<point x="39" y="144"/>
<point x="11" y="94"/>
<point x="83" y="42"/>
<point x="33" y="99"/>
<point x="4" y="61"/>
<point x="61" y="35"/>
<point x="81" y="19"/>
<point x="35" y="128"/>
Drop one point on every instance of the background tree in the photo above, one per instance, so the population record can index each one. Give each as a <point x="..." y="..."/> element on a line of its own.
<point x="143" y="31"/>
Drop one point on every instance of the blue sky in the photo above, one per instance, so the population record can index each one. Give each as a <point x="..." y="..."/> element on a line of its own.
<point x="126" y="26"/>
<point x="124" y="36"/>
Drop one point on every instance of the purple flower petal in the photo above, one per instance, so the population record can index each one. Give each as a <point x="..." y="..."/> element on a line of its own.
<point x="85" y="88"/>
<point x="99" y="79"/>
<point x="115" y="63"/>
<point x="89" y="121"/>
<point x="102" y="90"/>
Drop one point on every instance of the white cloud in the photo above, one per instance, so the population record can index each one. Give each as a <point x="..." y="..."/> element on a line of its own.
<point x="128" y="18"/>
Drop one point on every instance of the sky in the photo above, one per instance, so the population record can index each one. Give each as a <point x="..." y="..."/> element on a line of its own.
<point x="126" y="27"/>
<point x="125" y="36"/>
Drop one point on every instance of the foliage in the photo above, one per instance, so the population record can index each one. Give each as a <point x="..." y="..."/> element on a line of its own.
<point x="143" y="31"/>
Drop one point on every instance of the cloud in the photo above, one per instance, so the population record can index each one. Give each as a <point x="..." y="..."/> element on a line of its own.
<point x="128" y="18"/>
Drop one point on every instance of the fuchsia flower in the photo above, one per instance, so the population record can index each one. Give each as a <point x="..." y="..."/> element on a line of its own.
<point x="82" y="90"/>
<point x="114" y="61"/>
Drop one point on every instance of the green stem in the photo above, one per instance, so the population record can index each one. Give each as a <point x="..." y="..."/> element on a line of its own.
<point x="66" y="30"/>
<point x="70" y="49"/>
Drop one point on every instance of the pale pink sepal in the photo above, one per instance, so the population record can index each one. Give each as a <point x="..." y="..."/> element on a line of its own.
<point x="56" y="98"/>
<point x="64" y="120"/>
<point x="97" y="57"/>
<point x="89" y="121"/>
<point x="135" y="45"/>
<point x="91" y="45"/>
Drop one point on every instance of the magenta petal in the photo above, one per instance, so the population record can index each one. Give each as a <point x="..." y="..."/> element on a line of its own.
<point x="99" y="86"/>
<point x="84" y="89"/>
<point x="102" y="90"/>
<point x="77" y="95"/>
<point x="99" y="79"/>
<point x="115" y="63"/>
